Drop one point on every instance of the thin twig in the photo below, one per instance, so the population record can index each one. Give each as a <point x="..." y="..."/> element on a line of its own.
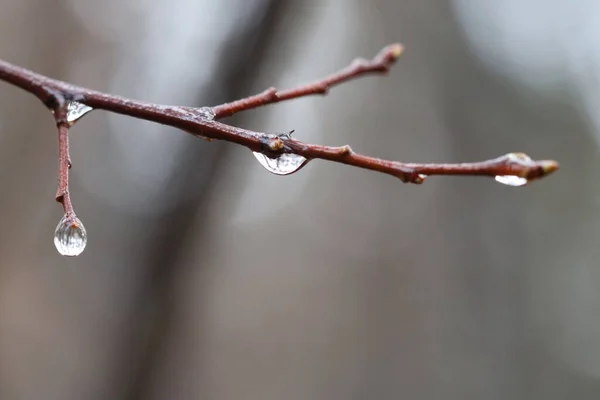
<point x="381" y="64"/>
<point x="64" y="159"/>
<point x="202" y="122"/>
<point x="518" y="165"/>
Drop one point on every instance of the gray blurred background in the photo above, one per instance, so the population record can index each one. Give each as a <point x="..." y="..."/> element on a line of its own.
<point x="206" y="277"/>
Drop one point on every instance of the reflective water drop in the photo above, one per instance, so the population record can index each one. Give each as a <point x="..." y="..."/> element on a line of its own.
<point x="420" y="179"/>
<point x="76" y="110"/>
<point x="285" y="164"/>
<point x="511" y="180"/>
<point x="70" y="237"/>
<point x="519" y="158"/>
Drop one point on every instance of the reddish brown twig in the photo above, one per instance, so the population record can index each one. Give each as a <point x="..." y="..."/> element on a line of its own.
<point x="202" y="122"/>
<point x="517" y="165"/>
<point x="381" y="63"/>
<point x="64" y="159"/>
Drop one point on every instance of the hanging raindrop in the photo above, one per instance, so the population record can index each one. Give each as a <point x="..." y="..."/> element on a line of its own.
<point x="419" y="179"/>
<point x="511" y="180"/>
<point x="514" y="180"/>
<point x="70" y="236"/>
<point x="284" y="164"/>
<point x="76" y="110"/>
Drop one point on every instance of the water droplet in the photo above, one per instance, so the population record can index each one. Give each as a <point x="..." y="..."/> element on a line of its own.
<point x="76" y="110"/>
<point x="70" y="237"/>
<point x="511" y="180"/>
<point x="519" y="158"/>
<point x="420" y="178"/>
<point x="284" y="164"/>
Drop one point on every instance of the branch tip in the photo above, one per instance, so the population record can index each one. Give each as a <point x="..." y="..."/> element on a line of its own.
<point x="549" y="166"/>
<point x="389" y="54"/>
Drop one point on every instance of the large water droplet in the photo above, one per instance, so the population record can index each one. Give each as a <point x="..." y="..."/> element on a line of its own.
<point x="285" y="164"/>
<point x="511" y="180"/>
<point x="76" y="110"/>
<point x="70" y="237"/>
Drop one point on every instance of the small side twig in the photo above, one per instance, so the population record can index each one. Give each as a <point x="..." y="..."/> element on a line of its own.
<point x="64" y="159"/>
<point x="381" y="64"/>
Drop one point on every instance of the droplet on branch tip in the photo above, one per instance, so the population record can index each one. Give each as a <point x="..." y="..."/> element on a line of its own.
<point x="70" y="237"/>
<point x="511" y="180"/>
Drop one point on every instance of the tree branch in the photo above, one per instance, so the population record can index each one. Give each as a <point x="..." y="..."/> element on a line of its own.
<point x="64" y="160"/>
<point x="381" y="64"/>
<point x="513" y="169"/>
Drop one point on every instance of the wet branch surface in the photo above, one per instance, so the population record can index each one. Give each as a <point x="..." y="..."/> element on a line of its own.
<point x="203" y="122"/>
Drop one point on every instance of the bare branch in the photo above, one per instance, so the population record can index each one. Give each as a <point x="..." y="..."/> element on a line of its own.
<point x="518" y="166"/>
<point x="64" y="159"/>
<point x="381" y="64"/>
<point x="513" y="169"/>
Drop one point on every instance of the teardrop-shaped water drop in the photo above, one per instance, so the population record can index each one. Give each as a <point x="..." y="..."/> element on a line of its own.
<point x="76" y="110"/>
<point x="511" y="180"/>
<point x="70" y="236"/>
<point x="285" y="164"/>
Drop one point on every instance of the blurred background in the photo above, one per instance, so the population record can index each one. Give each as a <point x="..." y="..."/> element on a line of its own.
<point x="206" y="277"/>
